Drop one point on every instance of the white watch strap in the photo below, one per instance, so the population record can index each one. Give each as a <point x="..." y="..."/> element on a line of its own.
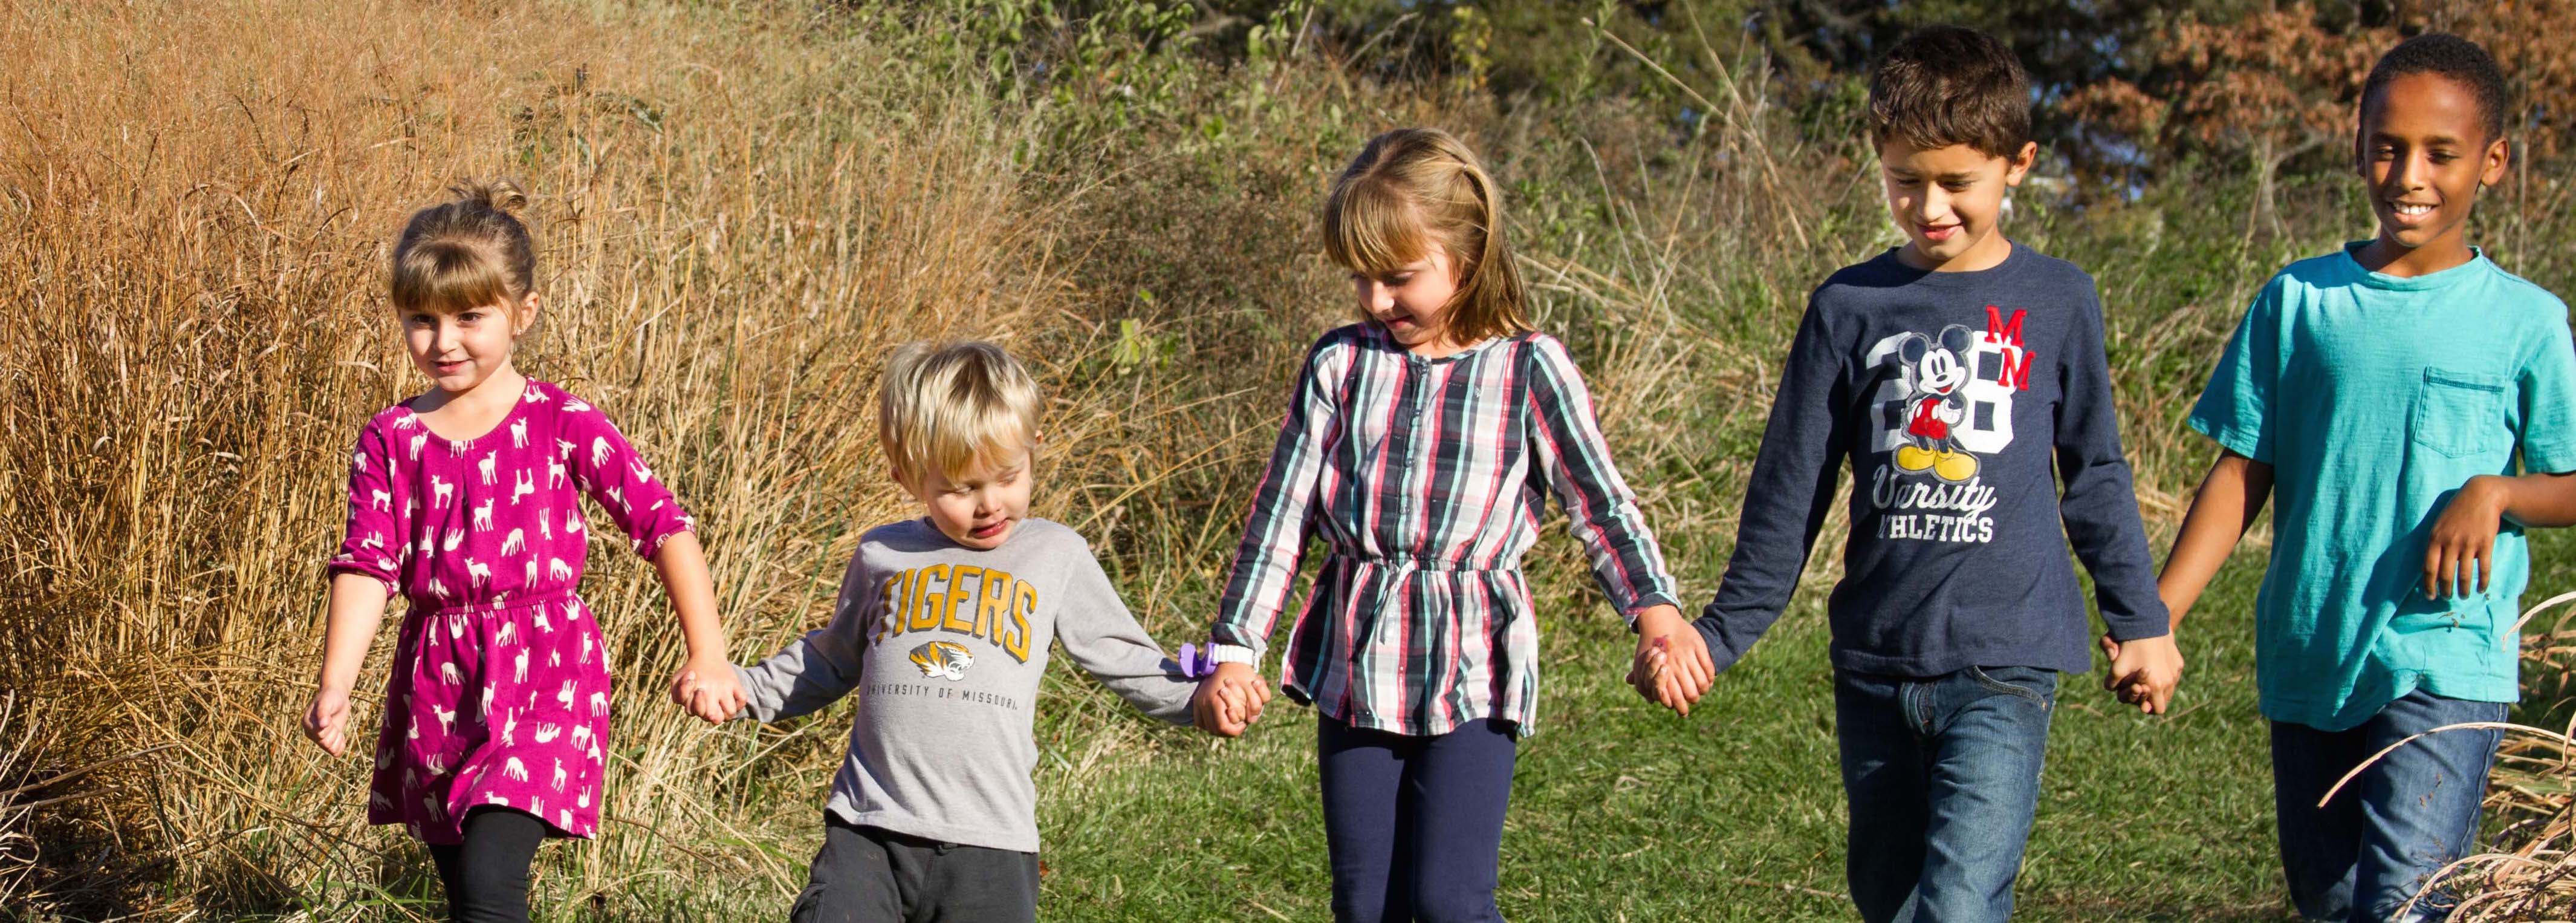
<point x="1234" y="653"/>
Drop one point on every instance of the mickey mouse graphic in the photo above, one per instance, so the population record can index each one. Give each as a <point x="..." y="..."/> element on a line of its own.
<point x="1939" y="373"/>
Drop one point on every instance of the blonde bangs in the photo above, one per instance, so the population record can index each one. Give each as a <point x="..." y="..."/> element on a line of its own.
<point x="955" y="409"/>
<point x="968" y="437"/>
<point x="1371" y="227"/>
<point x="449" y="276"/>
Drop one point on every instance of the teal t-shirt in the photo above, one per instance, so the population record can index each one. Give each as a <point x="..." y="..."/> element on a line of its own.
<point x="2374" y="398"/>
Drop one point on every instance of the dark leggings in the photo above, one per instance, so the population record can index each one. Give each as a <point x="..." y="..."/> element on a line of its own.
<point x="487" y="875"/>
<point x="1414" y="825"/>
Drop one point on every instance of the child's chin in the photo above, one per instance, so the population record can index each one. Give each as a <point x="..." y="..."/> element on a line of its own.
<point x="2408" y="236"/>
<point x="1944" y="250"/>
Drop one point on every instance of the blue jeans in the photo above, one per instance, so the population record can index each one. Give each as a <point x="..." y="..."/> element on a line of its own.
<point x="2382" y="838"/>
<point x="1943" y="777"/>
<point x="1414" y="825"/>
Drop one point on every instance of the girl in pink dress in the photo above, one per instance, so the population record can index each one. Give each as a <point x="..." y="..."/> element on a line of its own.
<point x="465" y="501"/>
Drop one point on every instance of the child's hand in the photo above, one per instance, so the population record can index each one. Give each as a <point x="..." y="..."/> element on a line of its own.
<point x="2463" y="537"/>
<point x="1234" y="705"/>
<point x="2144" y="672"/>
<point x="327" y="720"/>
<point x="716" y="697"/>
<point x="720" y="694"/>
<point x="1229" y="700"/>
<point x="1671" y="667"/>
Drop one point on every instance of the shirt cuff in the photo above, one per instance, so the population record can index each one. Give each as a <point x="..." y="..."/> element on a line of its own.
<point x="2240" y="440"/>
<point x="1646" y="602"/>
<point x="750" y="703"/>
<point x="2127" y="630"/>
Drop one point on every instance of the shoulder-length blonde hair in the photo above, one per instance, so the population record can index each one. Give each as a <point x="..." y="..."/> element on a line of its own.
<point x="1411" y="187"/>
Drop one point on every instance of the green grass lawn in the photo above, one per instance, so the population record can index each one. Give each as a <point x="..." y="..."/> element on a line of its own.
<point x="1621" y="811"/>
<point x="1624" y="811"/>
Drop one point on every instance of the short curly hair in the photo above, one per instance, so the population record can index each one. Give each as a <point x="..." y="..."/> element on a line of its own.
<point x="1948" y="85"/>
<point x="2445" y="55"/>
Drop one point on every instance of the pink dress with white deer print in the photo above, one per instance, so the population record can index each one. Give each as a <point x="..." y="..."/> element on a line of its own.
<point x="499" y="691"/>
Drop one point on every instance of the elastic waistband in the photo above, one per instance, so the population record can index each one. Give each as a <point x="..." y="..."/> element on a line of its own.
<point x="442" y="607"/>
<point x="1412" y="563"/>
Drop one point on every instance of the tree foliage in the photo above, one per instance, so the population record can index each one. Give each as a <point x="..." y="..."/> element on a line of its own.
<point x="2126" y="90"/>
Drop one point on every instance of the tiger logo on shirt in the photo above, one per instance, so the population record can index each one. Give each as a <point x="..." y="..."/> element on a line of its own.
<point x="942" y="659"/>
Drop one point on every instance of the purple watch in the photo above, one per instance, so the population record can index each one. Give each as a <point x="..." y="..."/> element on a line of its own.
<point x="1197" y="662"/>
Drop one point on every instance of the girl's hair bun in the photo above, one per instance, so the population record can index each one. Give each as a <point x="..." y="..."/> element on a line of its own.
<point x="499" y="195"/>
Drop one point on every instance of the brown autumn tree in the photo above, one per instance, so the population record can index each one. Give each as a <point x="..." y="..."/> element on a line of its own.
<point x="2281" y="84"/>
<point x="2534" y="41"/>
<point x="2267" y="87"/>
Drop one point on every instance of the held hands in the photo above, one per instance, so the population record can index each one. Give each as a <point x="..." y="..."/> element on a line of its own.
<point x="2144" y="672"/>
<point x="1671" y="667"/>
<point x="1229" y="700"/>
<point x="710" y="691"/>
<point x="326" y="721"/>
<point x="2464" y="538"/>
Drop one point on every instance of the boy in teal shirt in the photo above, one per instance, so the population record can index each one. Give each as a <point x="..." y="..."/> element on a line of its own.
<point x="2410" y="402"/>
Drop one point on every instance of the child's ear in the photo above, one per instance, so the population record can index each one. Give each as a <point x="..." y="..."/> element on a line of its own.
<point x="2498" y="156"/>
<point x="2018" y="165"/>
<point x="527" y="315"/>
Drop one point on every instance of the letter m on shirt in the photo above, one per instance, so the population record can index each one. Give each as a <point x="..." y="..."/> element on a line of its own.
<point x="2016" y="361"/>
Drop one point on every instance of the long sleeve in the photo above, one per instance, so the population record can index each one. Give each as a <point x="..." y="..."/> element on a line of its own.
<point x="824" y="665"/>
<point x="1600" y="509"/>
<point x="1788" y="496"/>
<point x="608" y="469"/>
<point x="2099" y="502"/>
<point x="1104" y="640"/>
<point x="374" y="543"/>
<point x="1275" y="534"/>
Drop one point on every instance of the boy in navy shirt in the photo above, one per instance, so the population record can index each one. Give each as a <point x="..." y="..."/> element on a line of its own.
<point x="1962" y="378"/>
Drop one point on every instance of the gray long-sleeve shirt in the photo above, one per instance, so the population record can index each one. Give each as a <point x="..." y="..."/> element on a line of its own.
<point x="949" y="644"/>
<point x="1976" y="413"/>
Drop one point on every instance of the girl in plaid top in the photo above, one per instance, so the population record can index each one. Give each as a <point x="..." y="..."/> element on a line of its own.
<point x="1421" y="445"/>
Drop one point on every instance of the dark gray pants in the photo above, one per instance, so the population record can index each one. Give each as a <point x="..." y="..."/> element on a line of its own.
<point x="868" y="875"/>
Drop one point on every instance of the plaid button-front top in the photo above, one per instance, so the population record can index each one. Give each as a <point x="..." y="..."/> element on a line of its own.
<point x="1426" y="479"/>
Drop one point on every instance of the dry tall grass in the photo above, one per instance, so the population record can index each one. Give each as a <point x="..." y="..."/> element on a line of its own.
<point x="198" y="201"/>
<point x="2532" y="876"/>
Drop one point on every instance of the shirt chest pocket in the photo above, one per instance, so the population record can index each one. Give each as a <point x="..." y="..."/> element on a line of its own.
<point x="2460" y="414"/>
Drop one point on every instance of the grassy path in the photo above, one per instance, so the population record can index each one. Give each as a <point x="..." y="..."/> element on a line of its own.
<point x="1622" y="811"/>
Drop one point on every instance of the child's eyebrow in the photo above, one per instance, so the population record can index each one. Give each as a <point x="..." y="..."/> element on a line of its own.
<point x="1002" y="475"/>
<point x="1954" y="176"/>
<point x="2427" y="141"/>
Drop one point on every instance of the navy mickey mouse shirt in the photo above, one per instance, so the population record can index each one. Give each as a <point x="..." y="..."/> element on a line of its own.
<point x="1975" y="412"/>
